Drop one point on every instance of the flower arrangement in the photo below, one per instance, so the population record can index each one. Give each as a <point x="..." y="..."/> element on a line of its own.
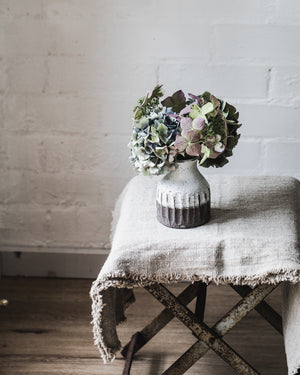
<point x="178" y="128"/>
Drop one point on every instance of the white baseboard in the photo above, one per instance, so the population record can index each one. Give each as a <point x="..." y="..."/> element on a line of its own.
<point x="50" y="264"/>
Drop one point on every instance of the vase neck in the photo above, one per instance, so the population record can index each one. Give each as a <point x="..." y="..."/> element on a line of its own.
<point x="186" y="167"/>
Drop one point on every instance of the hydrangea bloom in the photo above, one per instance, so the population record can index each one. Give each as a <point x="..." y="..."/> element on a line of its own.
<point x="177" y="128"/>
<point x="151" y="143"/>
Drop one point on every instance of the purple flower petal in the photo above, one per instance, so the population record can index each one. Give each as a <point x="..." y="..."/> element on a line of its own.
<point x="199" y="123"/>
<point x="186" y="123"/>
<point x="180" y="143"/>
<point x="214" y="155"/>
<point x="174" y="115"/>
<point x="195" y="97"/>
<point x="193" y="149"/>
<point x="191" y="135"/>
<point x="209" y="144"/>
<point x="172" y="155"/>
<point x="185" y="111"/>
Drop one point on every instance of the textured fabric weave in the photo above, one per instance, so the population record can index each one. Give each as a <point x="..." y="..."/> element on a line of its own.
<point x="252" y="238"/>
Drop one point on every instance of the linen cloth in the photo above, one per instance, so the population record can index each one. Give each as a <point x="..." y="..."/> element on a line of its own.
<point x="252" y="238"/>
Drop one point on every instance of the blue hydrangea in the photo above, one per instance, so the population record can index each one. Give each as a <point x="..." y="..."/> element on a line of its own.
<point x="152" y="140"/>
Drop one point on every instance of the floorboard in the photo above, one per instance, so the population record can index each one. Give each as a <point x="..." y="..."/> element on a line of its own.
<point x="45" y="330"/>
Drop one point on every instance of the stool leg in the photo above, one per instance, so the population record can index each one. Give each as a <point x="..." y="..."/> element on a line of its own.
<point x="130" y="353"/>
<point x="208" y="337"/>
<point x="151" y="329"/>
<point x="225" y="324"/>
<point x="200" y="301"/>
<point x="265" y="310"/>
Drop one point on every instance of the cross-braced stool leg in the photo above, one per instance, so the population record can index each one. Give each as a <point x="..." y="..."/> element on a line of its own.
<point x="238" y="312"/>
<point x="264" y="309"/>
<point x="147" y="333"/>
<point x="206" y="335"/>
<point x="201" y="299"/>
<point x="130" y="353"/>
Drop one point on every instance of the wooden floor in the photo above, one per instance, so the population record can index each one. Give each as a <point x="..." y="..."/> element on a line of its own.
<point x="46" y="330"/>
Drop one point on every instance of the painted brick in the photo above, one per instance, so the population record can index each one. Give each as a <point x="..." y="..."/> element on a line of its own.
<point x="94" y="78"/>
<point x="285" y="83"/>
<point x="267" y="120"/>
<point x="18" y="187"/>
<point x="122" y="123"/>
<point x="190" y="12"/>
<point x="81" y="227"/>
<point x="84" y="189"/>
<point x="39" y="37"/>
<point x="288" y="12"/>
<point x="142" y="77"/>
<point x="224" y="12"/>
<point x="134" y="11"/>
<point x="19" y="9"/>
<point x="115" y="157"/>
<point x="259" y="43"/>
<point x="131" y="43"/>
<point x="75" y="76"/>
<point x="65" y="153"/>
<point x="74" y="38"/>
<point x="72" y="9"/>
<point x="22" y="151"/>
<point x="21" y="73"/>
<point x="3" y="74"/>
<point x="223" y="80"/>
<point x="26" y="225"/>
<point x="52" y="113"/>
<point x="80" y="189"/>
<point x="282" y="156"/>
<point x="39" y="226"/>
<point x="3" y="152"/>
<point x="70" y="115"/>
<point x="246" y="160"/>
<point x="26" y="37"/>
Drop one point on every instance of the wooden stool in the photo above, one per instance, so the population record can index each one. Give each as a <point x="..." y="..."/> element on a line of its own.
<point x="208" y="338"/>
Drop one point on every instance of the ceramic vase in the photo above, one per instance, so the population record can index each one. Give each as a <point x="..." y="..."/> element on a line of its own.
<point x="183" y="197"/>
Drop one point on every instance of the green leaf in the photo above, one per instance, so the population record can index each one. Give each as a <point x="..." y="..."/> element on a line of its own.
<point x="162" y="129"/>
<point x="196" y="111"/>
<point x="140" y="123"/>
<point x="157" y="92"/>
<point x="231" y="112"/>
<point x="207" y="108"/>
<point x="206" y="153"/>
<point x="223" y="105"/>
<point x="161" y="152"/>
<point x="154" y="135"/>
<point x="206" y="96"/>
<point x="138" y="114"/>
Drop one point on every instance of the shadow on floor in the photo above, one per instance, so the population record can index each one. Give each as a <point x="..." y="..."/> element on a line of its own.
<point x="156" y="364"/>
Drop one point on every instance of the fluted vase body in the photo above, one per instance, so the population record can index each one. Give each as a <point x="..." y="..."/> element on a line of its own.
<point x="183" y="197"/>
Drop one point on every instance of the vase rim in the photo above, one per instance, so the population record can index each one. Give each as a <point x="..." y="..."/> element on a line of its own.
<point x="186" y="160"/>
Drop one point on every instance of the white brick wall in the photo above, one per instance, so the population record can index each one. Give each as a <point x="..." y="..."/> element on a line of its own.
<point x="71" y="72"/>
